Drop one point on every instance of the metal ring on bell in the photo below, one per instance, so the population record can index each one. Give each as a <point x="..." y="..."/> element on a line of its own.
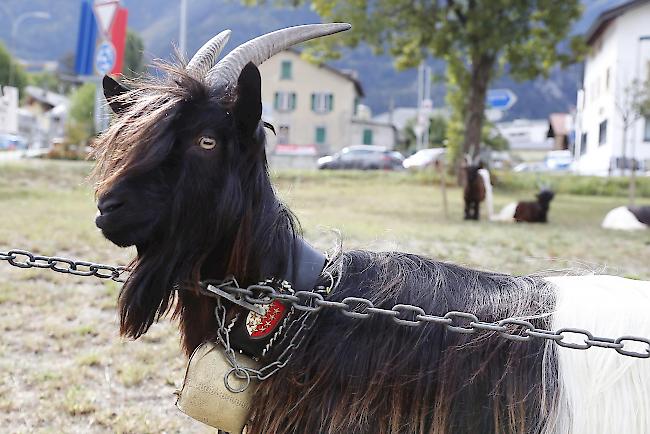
<point x="237" y="370"/>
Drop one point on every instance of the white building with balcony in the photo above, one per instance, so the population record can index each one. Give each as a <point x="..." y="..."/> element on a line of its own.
<point x="619" y="55"/>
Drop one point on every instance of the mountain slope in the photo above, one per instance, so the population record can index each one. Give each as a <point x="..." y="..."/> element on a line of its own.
<point x="157" y="22"/>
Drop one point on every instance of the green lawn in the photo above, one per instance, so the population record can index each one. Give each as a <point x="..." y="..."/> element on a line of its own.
<point x="64" y="369"/>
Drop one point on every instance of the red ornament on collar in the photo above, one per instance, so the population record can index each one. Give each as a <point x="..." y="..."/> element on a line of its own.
<point x="260" y="326"/>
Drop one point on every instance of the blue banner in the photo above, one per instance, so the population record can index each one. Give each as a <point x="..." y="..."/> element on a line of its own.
<point x="86" y="40"/>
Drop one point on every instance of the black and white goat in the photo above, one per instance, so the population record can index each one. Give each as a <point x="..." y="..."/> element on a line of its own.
<point x="182" y="175"/>
<point x="628" y="218"/>
<point x="531" y="212"/>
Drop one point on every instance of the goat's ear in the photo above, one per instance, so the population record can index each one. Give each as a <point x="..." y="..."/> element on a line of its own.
<point x="248" y="108"/>
<point x="113" y="89"/>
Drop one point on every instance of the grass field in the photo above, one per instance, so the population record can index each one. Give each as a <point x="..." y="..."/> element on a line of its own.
<point x="64" y="369"/>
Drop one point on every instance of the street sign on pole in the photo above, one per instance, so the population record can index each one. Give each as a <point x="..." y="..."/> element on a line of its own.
<point x="105" y="58"/>
<point x="105" y="11"/>
<point x="500" y="99"/>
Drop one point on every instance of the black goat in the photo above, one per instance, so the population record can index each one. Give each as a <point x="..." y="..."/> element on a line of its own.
<point x="182" y="175"/>
<point x="535" y="212"/>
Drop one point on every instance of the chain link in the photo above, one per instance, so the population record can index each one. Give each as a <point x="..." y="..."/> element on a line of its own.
<point x="353" y="307"/>
<point x="25" y="259"/>
<point x="459" y="322"/>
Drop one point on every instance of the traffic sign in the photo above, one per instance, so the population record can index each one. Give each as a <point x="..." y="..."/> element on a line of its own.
<point x="105" y="58"/>
<point x="500" y="99"/>
<point x="105" y="13"/>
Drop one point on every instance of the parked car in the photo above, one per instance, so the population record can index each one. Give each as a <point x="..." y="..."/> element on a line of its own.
<point x="425" y="158"/>
<point x="363" y="157"/>
<point x="559" y="160"/>
<point x="12" y="142"/>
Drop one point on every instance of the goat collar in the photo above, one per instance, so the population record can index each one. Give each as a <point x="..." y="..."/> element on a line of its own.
<point x="304" y="266"/>
<point x="255" y="332"/>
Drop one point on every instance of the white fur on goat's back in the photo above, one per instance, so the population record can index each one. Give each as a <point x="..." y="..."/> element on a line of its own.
<point x="507" y="213"/>
<point x="622" y="219"/>
<point x="601" y="391"/>
<point x="489" y="198"/>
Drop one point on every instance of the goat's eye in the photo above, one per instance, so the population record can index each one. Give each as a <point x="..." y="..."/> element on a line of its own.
<point x="207" y="142"/>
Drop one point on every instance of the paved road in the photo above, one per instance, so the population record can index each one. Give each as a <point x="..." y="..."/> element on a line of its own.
<point x="17" y="155"/>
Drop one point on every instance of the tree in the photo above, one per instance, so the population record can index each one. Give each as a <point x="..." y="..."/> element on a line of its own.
<point x="133" y="54"/>
<point x="632" y="105"/>
<point x="6" y="63"/>
<point x="81" y="123"/>
<point x="476" y="38"/>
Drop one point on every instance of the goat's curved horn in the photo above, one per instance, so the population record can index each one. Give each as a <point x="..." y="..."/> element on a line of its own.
<point x="205" y="58"/>
<point x="226" y="72"/>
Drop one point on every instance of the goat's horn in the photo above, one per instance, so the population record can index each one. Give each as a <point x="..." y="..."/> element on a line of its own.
<point x="205" y="58"/>
<point x="226" y="72"/>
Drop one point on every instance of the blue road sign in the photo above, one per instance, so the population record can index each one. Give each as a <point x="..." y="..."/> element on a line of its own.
<point x="86" y="40"/>
<point x="105" y="58"/>
<point x="500" y="99"/>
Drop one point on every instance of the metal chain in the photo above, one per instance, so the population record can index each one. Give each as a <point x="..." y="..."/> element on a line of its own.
<point x="353" y="307"/>
<point x="25" y="259"/>
<point x="305" y="322"/>
<point x="414" y="316"/>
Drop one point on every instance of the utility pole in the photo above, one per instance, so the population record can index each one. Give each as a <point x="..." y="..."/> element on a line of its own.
<point x="182" y="37"/>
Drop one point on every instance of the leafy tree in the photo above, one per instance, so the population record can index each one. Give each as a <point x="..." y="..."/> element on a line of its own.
<point x="48" y="80"/>
<point x="476" y="38"/>
<point x="7" y="62"/>
<point x="133" y="54"/>
<point x="632" y="104"/>
<point x="81" y="122"/>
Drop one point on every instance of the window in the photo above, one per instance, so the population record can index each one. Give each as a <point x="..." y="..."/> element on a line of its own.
<point x="322" y="102"/>
<point x="367" y="136"/>
<point x="285" y="71"/>
<point x="583" y="144"/>
<point x="355" y="109"/>
<point x="284" y="101"/>
<point x="602" y="133"/>
<point x="646" y="130"/>
<point x="607" y="79"/>
<point x="283" y="134"/>
<point x="320" y="135"/>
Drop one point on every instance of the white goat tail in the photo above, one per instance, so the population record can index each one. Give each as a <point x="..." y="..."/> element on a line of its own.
<point x="489" y="198"/>
<point x="507" y="213"/>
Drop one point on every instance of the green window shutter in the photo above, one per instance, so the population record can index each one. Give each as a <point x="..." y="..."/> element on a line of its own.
<point x="356" y="105"/>
<point x="320" y="135"/>
<point x="330" y="102"/>
<point x="276" y="101"/>
<point x="313" y="102"/>
<point x="292" y="101"/>
<point x="285" y="73"/>
<point x="367" y="136"/>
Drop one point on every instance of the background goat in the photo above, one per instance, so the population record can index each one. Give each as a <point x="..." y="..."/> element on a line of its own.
<point x="474" y="191"/>
<point x="531" y="212"/>
<point x="182" y="175"/>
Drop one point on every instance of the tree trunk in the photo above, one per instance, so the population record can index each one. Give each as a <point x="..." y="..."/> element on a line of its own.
<point x="475" y="105"/>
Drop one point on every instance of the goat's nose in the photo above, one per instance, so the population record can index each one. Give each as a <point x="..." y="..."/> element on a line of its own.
<point x="108" y="204"/>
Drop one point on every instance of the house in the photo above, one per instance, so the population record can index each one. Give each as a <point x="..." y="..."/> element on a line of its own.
<point x="315" y="108"/>
<point x="560" y="129"/>
<point x="619" y="55"/>
<point x="43" y="115"/>
<point x="527" y="138"/>
<point x="403" y="118"/>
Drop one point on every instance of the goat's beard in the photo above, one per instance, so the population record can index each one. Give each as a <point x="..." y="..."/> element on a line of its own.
<point x="164" y="266"/>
